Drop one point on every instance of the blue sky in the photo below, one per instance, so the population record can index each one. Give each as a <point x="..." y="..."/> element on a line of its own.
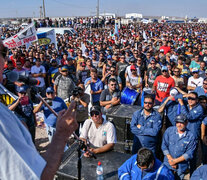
<point x="180" y="8"/>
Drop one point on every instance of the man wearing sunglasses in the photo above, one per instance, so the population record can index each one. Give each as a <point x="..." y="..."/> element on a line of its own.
<point x="144" y="165"/>
<point x="145" y="126"/>
<point x="99" y="133"/>
<point x="57" y="104"/>
<point x="19" y="157"/>
<point x="194" y="114"/>
<point x="202" y="90"/>
<point x="162" y="85"/>
<point x="194" y="81"/>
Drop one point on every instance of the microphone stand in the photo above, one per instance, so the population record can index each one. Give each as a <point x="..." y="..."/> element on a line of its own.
<point x="82" y="144"/>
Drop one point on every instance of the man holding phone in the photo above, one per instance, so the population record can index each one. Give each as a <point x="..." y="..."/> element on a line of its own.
<point x="23" y="109"/>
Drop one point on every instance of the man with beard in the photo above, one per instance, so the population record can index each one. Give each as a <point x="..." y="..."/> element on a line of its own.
<point x="145" y="126"/>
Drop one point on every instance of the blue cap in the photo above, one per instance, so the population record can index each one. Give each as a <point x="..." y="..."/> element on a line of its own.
<point x="22" y="89"/>
<point x="64" y="68"/>
<point x="49" y="90"/>
<point x="109" y="57"/>
<point x="164" y="68"/>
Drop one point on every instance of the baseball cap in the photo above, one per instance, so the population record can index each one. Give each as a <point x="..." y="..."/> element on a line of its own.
<point x="49" y="90"/>
<point x="180" y="118"/>
<point x="133" y="67"/>
<point x="83" y="64"/>
<point x="164" y="68"/>
<point x="71" y="50"/>
<point x="173" y="92"/>
<point x="22" y="89"/>
<point x="95" y="109"/>
<point x="64" y="68"/>
<point x="195" y="70"/>
<point x="161" y="50"/>
<point x="132" y="59"/>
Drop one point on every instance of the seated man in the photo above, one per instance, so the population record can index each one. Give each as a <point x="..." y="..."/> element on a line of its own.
<point x="178" y="146"/>
<point x="99" y="133"/>
<point x="144" y="165"/>
<point x="111" y="96"/>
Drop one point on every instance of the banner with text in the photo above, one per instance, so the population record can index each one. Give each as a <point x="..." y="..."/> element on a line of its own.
<point x="46" y="38"/>
<point x="26" y="36"/>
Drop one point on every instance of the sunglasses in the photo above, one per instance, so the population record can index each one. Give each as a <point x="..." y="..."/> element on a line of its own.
<point x="150" y="103"/>
<point x="191" y="98"/>
<point x="204" y="83"/>
<point x="195" y="72"/>
<point x="23" y="93"/>
<point x="112" y="84"/>
<point x="152" y="63"/>
<point x="94" y="113"/>
<point x="176" y="71"/>
<point x="113" y="71"/>
<point x="164" y="71"/>
<point x="49" y="92"/>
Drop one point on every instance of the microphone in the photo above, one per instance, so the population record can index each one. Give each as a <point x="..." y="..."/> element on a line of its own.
<point x="14" y="76"/>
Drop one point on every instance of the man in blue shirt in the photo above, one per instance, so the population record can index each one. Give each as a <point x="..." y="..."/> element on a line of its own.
<point x="96" y="86"/>
<point x="178" y="146"/>
<point x="202" y="90"/>
<point x="200" y="173"/>
<point x="145" y="126"/>
<point x="144" y="166"/>
<point x="57" y="104"/>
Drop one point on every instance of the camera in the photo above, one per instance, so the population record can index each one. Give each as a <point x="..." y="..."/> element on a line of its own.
<point x="49" y="101"/>
<point x="77" y="91"/>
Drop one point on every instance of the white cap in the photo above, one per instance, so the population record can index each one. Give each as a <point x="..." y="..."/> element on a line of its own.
<point x="173" y="92"/>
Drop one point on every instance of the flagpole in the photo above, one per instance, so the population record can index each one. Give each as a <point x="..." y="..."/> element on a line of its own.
<point x="44" y="15"/>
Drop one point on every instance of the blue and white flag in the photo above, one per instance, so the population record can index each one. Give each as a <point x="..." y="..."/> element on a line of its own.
<point x="144" y="35"/>
<point x="116" y="30"/>
<point x="46" y="38"/>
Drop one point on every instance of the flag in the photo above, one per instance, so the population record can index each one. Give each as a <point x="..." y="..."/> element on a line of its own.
<point x="46" y="38"/>
<point x="144" y="35"/>
<point x="27" y="35"/>
<point x="116" y="31"/>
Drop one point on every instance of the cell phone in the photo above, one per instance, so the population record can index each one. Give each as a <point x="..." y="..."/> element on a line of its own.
<point x="24" y="100"/>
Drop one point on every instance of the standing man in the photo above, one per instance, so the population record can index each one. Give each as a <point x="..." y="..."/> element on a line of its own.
<point x="178" y="146"/>
<point x="145" y="126"/>
<point x="57" y="104"/>
<point x="39" y="73"/>
<point x="194" y="81"/>
<point x="96" y="86"/>
<point x="99" y="133"/>
<point x="162" y="85"/>
<point x="144" y="165"/>
<point x="111" y="96"/>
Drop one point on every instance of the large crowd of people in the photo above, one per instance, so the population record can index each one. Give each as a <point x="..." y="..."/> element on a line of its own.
<point x="164" y="64"/>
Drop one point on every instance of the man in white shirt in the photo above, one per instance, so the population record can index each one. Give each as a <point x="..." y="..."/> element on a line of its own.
<point x="194" y="81"/>
<point x="39" y="73"/>
<point x="99" y="133"/>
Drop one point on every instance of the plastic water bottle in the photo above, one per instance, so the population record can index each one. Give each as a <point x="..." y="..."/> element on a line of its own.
<point x="99" y="171"/>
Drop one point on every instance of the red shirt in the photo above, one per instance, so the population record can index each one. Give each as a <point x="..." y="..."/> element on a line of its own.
<point x="163" y="86"/>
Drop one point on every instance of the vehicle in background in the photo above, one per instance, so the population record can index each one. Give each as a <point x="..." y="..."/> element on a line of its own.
<point x="61" y="31"/>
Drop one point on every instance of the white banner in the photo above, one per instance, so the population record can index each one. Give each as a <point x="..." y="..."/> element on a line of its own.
<point x="27" y="35"/>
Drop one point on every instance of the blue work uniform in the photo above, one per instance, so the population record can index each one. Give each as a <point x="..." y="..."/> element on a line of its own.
<point x="195" y="117"/>
<point x="146" y="136"/>
<point x="200" y="173"/>
<point x="200" y="91"/>
<point x="178" y="146"/>
<point x="129" y="170"/>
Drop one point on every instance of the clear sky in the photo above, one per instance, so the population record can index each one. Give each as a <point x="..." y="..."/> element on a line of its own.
<point x="54" y="8"/>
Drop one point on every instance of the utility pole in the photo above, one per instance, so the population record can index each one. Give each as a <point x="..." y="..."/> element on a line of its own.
<point x="40" y="12"/>
<point x="44" y="15"/>
<point x="97" y="9"/>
